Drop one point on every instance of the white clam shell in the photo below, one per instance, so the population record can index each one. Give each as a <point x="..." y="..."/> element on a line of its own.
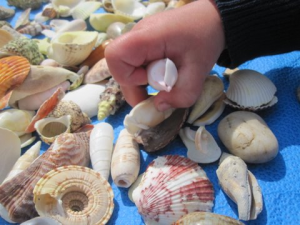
<point x="10" y="150"/>
<point x="162" y="74"/>
<point x="84" y="9"/>
<point x="250" y="89"/>
<point x="72" y="48"/>
<point x="130" y="8"/>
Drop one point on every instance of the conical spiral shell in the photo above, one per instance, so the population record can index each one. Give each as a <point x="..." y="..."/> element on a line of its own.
<point x="13" y="71"/>
<point x="171" y="187"/>
<point x="74" y="195"/>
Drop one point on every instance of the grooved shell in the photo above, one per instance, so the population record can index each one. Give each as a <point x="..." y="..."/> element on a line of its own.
<point x="72" y="48"/>
<point x="131" y="8"/>
<point x="84" y="9"/>
<point x="13" y="71"/>
<point x="74" y="195"/>
<point x="171" y="187"/>
<point x="206" y="218"/>
<point x="249" y="89"/>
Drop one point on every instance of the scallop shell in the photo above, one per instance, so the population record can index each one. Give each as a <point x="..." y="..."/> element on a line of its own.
<point x="49" y="128"/>
<point x="25" y="4"/>
<point x="10" y="150"/>
<point x="162" y="74"/>
<point x="131" y="8"/>
<point x="72" y="48"/>
<point x="207" y="218"/>
<point x="171" y="187"/>
<point x="98" y="72"/>
<point x="84" y="9"/>
<point x="16" y="195"/>
<point x="5" y="37"/>
<point x="101" y="21"/>
<point x="6" y="13"/>
<point x="74" y="195"/>
<point x="249" y="89"/>
<point x="13" y="71"/>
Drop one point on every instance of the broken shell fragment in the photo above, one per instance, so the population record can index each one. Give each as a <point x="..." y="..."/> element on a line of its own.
<point x="212" y="90"/>
<point x="144" y="115"/>
<point x="162" y="74"/>
<point x="206" y="218"/>
<point x="74" y="195"/>
<point x="245" y="134"/>
<point x="172" y="187"/>
<point x="257" y="200"/>
<point x="249" y="89"/>
<point x="5" y="37"/>
<point x="125" y="165"/>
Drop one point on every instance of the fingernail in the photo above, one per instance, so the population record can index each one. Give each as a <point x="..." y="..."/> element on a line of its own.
<point x="163" y="106"/>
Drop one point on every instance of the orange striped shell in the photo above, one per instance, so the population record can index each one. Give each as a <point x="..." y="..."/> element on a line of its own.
<point x="13" y="71"/>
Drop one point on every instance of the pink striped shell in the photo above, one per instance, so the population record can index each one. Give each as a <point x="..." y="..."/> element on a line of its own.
<point x="172" y="187"/>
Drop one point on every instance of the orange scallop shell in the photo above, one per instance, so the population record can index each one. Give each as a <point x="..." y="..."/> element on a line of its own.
<point x="13" y="71"/>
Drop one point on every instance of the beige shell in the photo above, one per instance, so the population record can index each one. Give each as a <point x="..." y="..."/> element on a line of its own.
<point x="130" y="8"/>
<point x="72" y="48"/>
<point x="206" y="218"/>
<point x="212" y="90"/>
<point x="5" y="37"/>
<point x="249" y="89"/>
<point x="245" y="134"/>
<point x="64" y="7"/>
<point x="74" y="195"/>
<point x="98" y="72"/>
<point x="84" y="9"/>
<point x="144" y="115"/>
<point x="257" y="199"/>
<point x="49" y="128"/>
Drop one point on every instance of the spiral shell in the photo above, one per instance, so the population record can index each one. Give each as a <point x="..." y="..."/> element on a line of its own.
<point x="74" y="195"/>
<point x="171" y="187"/>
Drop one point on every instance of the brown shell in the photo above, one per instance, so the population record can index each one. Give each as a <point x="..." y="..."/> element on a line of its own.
<point x="50" y="13"/>
<point x="13" y="71"/>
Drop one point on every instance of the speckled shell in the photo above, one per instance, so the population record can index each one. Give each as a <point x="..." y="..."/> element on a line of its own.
<point x="171" y="187"/>
<point x="13" y="71"/>
<point x="249" y="89"/>
<point x="6" y="13"/>
<point x="206" y="218"/>
<point x="16" y="195"/>
<point x="82" y="194"/>
<point x="25" y="4"/>
<point x="24" y="47"/>
<point x="97" y="73"/>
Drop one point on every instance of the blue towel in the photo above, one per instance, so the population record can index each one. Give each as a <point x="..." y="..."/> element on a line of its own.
<point x="278" y="178"/>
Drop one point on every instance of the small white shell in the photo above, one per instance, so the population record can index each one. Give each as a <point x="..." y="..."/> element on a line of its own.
<point x="250" y="89"/>
<point x="154" y="8"/>
<point x="162" y="74"/>
<point x="130" y="8"/>
<point x="84" y="9"/>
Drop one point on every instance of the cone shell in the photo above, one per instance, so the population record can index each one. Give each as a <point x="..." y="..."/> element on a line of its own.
<point x="72" y="48"/>
<point x="249" y="89"/>
<point x="207" y="218"/>
<point x="13" y="71"/>
<point x="16" y="195"/>
<point x="97" y="73"/>
<point x="74" y="195"/>
<point x="171" y="187"/>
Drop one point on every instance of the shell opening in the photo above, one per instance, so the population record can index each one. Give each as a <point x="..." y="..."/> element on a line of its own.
<point x="122" y="183"/>
<point x="54" y="128"/>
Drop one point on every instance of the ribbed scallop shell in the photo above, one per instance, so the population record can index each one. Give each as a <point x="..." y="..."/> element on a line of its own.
<point x="16" y="195"/>
<point x="250" y="89"/>
<point x="13" y="71"/>
<point x="171" y="187"/>
<point x="74" y="195"/>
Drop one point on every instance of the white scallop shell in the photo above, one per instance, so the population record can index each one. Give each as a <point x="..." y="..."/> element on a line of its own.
<point x="250" y="89"/>
<point x="84" y="9"/>
<point x="72" y="48"/>
<point x="130" y="8"/>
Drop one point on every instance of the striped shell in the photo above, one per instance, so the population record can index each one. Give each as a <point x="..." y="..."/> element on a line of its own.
<point x="249" y="89"/>
<point x="171" y="187"/>
<point x="13" y="71"/>
<point x="74" y="195"/>
<point x="16" y="195"/>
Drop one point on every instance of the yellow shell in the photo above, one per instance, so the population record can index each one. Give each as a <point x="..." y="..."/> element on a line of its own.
<point x="74" y="195"/>
<point x="13" y="71"/>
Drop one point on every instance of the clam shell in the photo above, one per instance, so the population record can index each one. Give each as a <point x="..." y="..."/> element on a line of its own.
<point x="5" y="37"/>
<point x="25" y="4"/>
<point x="131" y="8"/>
<point x="171" y="187"/>
<point x="49" y="128"/>
<point x="6" y="13"/>
<point x="13" y="71"/>
<point x="72" y="48"/>
<point x="98" y="72"/>
<point x="84" y="9"/>
<point x="74" y="195"/>
<point x="207" y="218"/>
<point x="101" y="21"/>
<point x="10" y="150"/>
<point x="16" y="195"/>
<point x="250" y="89"/>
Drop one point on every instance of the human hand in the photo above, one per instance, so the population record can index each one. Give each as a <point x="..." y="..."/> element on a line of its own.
<point x="191" y="36"/>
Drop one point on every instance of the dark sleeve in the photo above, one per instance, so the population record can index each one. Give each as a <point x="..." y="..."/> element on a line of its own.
<point x="256" y="28"/>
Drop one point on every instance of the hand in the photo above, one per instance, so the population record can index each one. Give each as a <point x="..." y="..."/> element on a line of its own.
<point x="191" y="36"/>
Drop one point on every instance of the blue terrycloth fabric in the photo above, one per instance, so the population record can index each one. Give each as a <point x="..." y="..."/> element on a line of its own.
<point x="278" y="178"/>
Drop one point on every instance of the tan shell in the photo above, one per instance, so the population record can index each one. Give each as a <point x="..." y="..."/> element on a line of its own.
<point x="245" y="134"/>
<point x="5" y="37"/>
<point x="74" y="195"/>
<point x="249" y="89"/>
<point x="97" y="73"/>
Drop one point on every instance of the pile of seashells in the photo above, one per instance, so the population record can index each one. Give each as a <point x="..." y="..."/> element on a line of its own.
<point x="44" y="86"/>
